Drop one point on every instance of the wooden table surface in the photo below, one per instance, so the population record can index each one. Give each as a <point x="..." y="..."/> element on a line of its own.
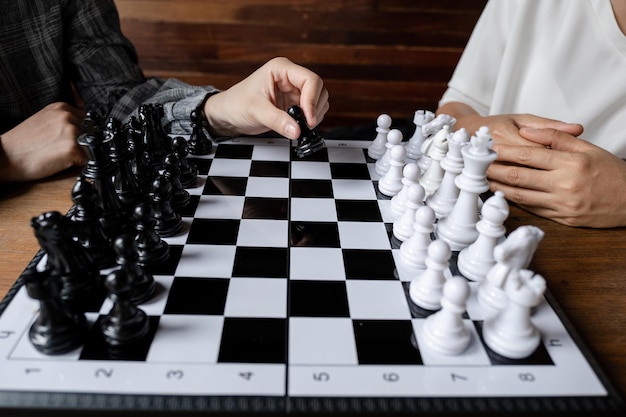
<point x="585" y="268"/>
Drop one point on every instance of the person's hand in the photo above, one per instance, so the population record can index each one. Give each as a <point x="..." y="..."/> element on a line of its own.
<point x="504" y="129"/>
<point x="42" y="145"/>
<point x="258" y="103"/>
<point x="564" y="178"/>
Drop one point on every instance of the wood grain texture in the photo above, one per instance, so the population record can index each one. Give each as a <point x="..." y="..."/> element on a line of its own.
<point x="375" y="57"/>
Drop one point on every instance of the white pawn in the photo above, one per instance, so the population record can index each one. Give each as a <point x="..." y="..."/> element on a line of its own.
<point x="413" y="251"/>
<point x="403" y="227"/>
<point x="446" y="195"/>
<point x="431" y="178"/>
<point x="511" y="333"/>
<point x="445" y="331"/>
<point x="377" y="148"/>
<point x="391" y="183"/>
<point x="410" y="175"/>
<point x="426" y="289"/>
<point x="394" y="137"/>
<point x="414" y="145"/>
<point x="477" y="259"/>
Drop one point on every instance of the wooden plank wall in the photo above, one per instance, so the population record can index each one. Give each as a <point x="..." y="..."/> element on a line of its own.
<point x="376" y="56"/>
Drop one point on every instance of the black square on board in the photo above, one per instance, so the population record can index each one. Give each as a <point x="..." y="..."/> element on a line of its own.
<point x="275" y="169"/>
<point x="261" y="262"/>
<point x="203" y="164"/>
<point x="318" y="299"/>
<point x="213" y="231"/>
<point x="305" y="188"/>
<point x="253" y="340"/>
<point x="539" y="357"/>
<point x="190" y="209"/>
<point x="229" y="151"/>
<point x="225" y="186"/>
<point x="314" y="234"/>
<point x="265" y="208"/>
<point x="385" y="342"/>
<point x="346" y="171"/>
<point x="368" y="264"/>
<point x="358" y="210"/>
<point x="96" y="349"/>
<point x="167" y="267"/>
<point x="202" y="296"/>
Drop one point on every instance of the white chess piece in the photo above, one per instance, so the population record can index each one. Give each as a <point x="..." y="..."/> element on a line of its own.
<point x="414" y="145"/>
<point x="432" y="177"/>
<point x="413" y="251"/>
<point x="477" y="259"/>
<point x="458" y="229"/>
<point x="391" y="183"/>
<point x="377" y="148"/>
<point x="403" y="227"/>
<point x="438" y="123"/>
<point x="394" y="137"/>
<point x="511" y="256"/>
<point x="410" y="175"/>
<point x="446" y="195"/>
<point x="426" y="289"/>
<point x="445" y="331"/>
<point x="511" y="333"/>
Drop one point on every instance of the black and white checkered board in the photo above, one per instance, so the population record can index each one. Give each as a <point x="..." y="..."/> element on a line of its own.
<point x="282" y="295"/>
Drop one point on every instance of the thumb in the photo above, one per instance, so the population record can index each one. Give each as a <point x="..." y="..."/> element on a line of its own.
<point x="279" y="121"/>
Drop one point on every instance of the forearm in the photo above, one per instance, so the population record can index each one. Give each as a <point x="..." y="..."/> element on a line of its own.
<point x="464" y="114"/>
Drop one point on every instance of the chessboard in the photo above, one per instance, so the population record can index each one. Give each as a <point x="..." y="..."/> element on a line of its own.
<point x="284" y="292"/>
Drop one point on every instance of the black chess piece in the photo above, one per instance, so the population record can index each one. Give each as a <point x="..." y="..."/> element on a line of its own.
<point x="100" y="170"/>
<point x="141" y="168"/>
<point x="180" y="196"/>
<point x="127" y="257"/>
<point x="151" y="249"/>
<point x="89" y="231"/>
<point x="151" y="145"/>
<point x="199" y="142"/>
<point x="58" y="328"/>
<point x="309" y="141"/>
<point x="165" y="143"/>
<point x="188" y="171"/>
<point x="67" y="259"/>
<point x="168" y="222"/>
<point x="126" y="323"/>
<point x="125" y="183"/>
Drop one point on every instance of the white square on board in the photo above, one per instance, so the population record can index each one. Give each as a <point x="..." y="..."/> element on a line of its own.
<point x="321" y="341"/>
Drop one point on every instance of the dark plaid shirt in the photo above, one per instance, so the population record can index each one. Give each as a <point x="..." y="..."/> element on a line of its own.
<point x="48" y="45"/>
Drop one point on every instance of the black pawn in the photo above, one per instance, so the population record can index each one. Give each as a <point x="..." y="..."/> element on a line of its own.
<point x="89" y="231"/>
<point x="128" y="259"/>
<point x="180" y="196"/>
<point x="126" y="323"/>
<point x="151" y="249"/>
<point x="188" y="171"/>
<point x="168" y="222"/>
<point x="58" y="328"/>
<point x="199" y="142"/>
<point x="308" y="142"/>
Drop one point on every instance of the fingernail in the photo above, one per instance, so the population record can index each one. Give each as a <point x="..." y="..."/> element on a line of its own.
<point x="291" y="131"/>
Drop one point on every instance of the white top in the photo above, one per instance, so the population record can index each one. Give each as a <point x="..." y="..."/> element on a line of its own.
<point x="559" y="59"/>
